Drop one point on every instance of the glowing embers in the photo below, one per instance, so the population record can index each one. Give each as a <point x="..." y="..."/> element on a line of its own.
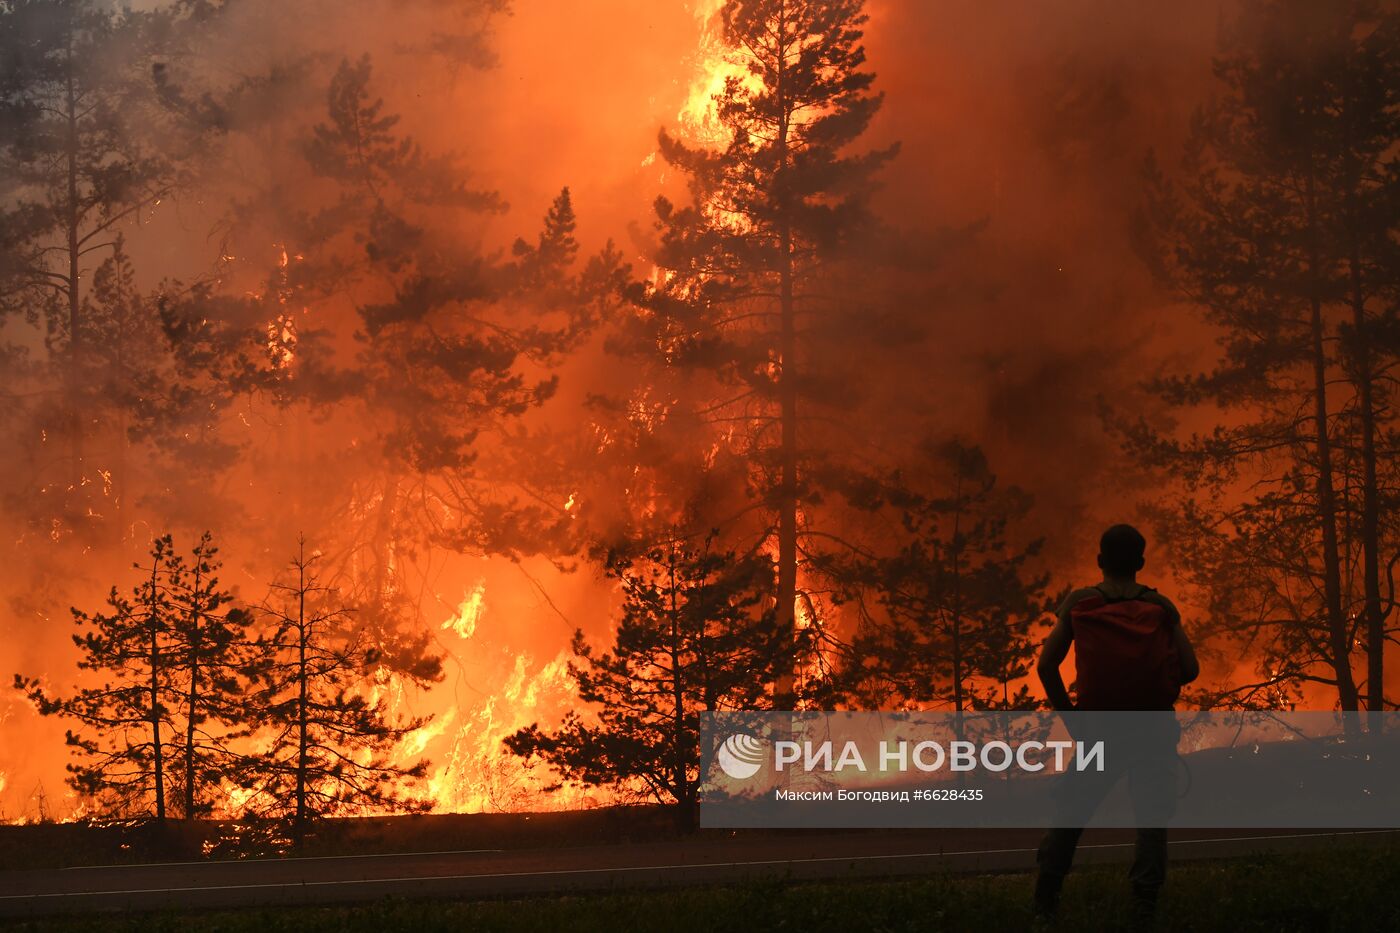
<point x="469" y="612"/>
<point x="282" y="341"/>
<point x="646" y="413"/>
<point x="282" y="328"/>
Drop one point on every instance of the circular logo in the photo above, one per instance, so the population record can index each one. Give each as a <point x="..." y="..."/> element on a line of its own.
<point x="740" y="756"/>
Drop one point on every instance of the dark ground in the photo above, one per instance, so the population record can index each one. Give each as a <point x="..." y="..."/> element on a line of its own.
<point x="63" y="845"/>
<point x="71" y="869"/>
<point x="1337" y="884"/>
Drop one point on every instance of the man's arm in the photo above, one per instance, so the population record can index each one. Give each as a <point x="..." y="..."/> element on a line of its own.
<point x="1185" y="653"/>
<point x="1053" y="654"/>
<point x="1190" y="667"/>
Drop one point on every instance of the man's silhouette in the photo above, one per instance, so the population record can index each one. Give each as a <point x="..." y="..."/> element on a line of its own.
<point x="1131" y="653"/>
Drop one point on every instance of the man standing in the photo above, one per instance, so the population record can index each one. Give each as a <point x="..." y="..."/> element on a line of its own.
<point x="1131" y="653"/>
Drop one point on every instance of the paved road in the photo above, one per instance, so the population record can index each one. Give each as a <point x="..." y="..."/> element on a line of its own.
<point x="495" y="873"/>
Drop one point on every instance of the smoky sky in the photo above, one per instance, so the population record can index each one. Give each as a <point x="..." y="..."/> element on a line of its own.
<point x="1030" y="120"/>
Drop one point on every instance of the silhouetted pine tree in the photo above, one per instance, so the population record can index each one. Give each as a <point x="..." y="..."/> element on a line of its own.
<point x="453" y="346"/>
<point x="695" y="634"/>
<point x="1281" y="229"/>
<point x="743" y="272"/>
<point x="331" y="734"/>
<point x="945" y="616"/>
<point x="77" y="165"/>
<point x="160" y="722"/>
<point x="210" y="646"/>
<point x="131" y="360"/>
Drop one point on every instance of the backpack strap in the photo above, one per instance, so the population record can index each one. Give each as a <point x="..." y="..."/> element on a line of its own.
<point x="1109" y="600"/>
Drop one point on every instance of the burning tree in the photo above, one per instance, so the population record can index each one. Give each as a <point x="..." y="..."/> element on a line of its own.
<point x="1282" y="232"/>
<point x="130" y="354"/>
<point x="743" y="273"/>
<point x="441" y="347"/>
<point x="945" y="619"/>
<point x="695" y="634"/>
<point x="329" y="743"/>
<point x="73" y="173"/>
<point x="162" y="724"/>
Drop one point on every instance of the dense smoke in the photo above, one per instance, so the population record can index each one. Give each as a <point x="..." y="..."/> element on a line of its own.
<point x="1009" y="223"/>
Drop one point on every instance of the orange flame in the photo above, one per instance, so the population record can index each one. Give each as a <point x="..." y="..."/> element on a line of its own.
<point x="472" y="771"/>
<point x="716" y="64"/>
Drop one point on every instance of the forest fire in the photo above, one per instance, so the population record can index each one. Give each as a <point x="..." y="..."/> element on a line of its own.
<point x="474" y="773"/>
<point x="718" y="62"/>
<point x="405" y="464"/>
<point x="478" y="777"/>
<point x="469" y="612"/>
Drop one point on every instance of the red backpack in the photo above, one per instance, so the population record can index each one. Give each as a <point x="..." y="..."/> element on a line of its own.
<point x="1124" y="653"/>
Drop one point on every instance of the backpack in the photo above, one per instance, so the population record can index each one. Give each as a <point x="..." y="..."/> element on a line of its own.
<point x="1124" y="653"/>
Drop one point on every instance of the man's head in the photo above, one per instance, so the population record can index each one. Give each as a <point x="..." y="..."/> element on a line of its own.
<point x="1121" y="551"/>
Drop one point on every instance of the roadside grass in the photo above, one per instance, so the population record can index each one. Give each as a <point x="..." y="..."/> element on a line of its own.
<point x="1337" y="888"/>
<point x="64" y="845"/>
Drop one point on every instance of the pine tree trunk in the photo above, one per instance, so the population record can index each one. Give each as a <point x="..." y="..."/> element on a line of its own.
<point x="1370" y="499"/>
<point x="302" y="684"/>
<point x="118" y="481"/>
<point x="787" y="493"/>
<point x="75" y="349"/>
<point x="957" y="658"/>
<point x="193" y="699"/>
<point x="785" y="693"/>
<point x="679" y="779"/>
<point x="1339" y="639"/>
<point x="157" y="756"/>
